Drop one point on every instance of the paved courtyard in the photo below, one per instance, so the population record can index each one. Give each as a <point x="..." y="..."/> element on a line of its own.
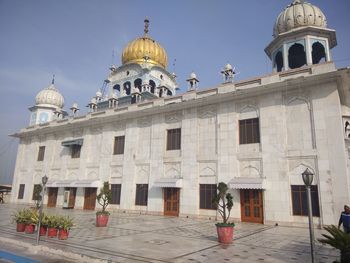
<point x="146" y="238"/>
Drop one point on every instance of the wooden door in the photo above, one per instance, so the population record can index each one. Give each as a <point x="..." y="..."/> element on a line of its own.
<point x="72" y="194"/>
<point x="52" y="196"/>
<point x="171" y="201"/>
<point x="251" y="206"/>
<point x="90" y="198"/>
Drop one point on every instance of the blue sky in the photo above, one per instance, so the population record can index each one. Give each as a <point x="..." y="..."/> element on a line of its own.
<point x="75" y="41"/>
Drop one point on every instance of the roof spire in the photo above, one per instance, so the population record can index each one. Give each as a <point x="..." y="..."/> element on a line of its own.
<point x="53" y="79"/>
<point x="146" y="26"/>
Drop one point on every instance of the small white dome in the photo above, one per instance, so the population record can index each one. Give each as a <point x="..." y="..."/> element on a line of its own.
<point x="50" y="96"/>
<point x="228" y="67"/>
<point x="299" y="14"/>
<point x="93" y="101"/>
<point x="193" y="76"/>
<point x="75" y="106"/>
<point x="98" y="94"/>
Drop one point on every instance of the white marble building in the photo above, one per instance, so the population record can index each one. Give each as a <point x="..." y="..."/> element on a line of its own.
<point x="164" y="153"/>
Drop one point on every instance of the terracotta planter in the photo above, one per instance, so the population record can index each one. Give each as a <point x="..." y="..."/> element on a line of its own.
<point x="20" y="227"/>
<point x="51" y="232"/>
<point x="225" y="234"/>
<point x="63" y="234"/>
<point x="29" y="229"/>
<point x="101" y="220"/>
<point x="43" y="230"/>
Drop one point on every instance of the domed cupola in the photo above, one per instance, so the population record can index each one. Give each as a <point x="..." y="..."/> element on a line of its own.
<point x="50" y="96"/>
<point x="49" y="104"/>
<point x="299" y="14"/>
<point x="301" y="37"/>
<point x="145" y="48"/>
<point x="142" y="75"/>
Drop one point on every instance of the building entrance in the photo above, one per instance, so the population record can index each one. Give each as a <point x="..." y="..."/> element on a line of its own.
<point x="52" y="196"/>
<point x="171" y="201"/>
<point x="90" y="198"/>
<point x="251" y="206"/>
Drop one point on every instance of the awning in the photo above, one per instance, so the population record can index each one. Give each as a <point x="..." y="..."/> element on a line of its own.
<point x="87" y="183"/>
<point x="168" y="182"/>
<point x="247" y="183"/>
<point x="74" y="183"/>
<point x="59" y="183"/>
<point x="73" y="142"/>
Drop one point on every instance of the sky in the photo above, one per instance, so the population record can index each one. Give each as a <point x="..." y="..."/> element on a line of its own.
<point x="79" y="40"/>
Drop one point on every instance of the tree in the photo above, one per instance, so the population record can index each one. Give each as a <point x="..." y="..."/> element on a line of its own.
<point x="223" y="202"/>
<point x="104" y="198"/>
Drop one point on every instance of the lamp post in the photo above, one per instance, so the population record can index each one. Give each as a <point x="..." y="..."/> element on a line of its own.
<point x="42" y="194"/>
<point x="307" y="178"/>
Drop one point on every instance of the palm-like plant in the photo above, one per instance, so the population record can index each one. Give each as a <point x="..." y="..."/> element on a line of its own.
<point x="65" y="222"/>
<point x="339" y="240"/>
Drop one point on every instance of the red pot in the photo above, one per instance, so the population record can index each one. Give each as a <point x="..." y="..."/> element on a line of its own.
<point x="62" y="234"/>
<point x="29" y="229"/>
<point x="51" y="232"/>
<point x="225" y="234"/>
<point x="101" y="220"/>
<point x="20" y="227"/>
<point x="43" y="230"/>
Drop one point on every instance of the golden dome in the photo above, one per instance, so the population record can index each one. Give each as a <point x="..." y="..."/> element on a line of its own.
<point x="145" y="49"/>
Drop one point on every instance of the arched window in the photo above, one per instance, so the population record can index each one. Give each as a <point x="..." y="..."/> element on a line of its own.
<point x="296" y="56"/>
<point x="153" y="85"/>
<point x="279" y="61"/>
<point x="116" y="87"/>
<point x="138" y="84"/>
<point x="127" y="87"/>
<point x="169" y="93"/>
<point x="318" y="53"/>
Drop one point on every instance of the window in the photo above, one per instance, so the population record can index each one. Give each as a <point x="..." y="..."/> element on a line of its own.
<point x="249" y="131"/>
<point x="206" y="195"/>
<point x="141" y="194"/>
<point x="75" y="150"/>
<point x="119" y="142"/>
<point x="174" y="139"/>
<point x="116" y="189"/>
<point x="36" y="192"/>
<point x="41" y="153"/>
<point x="21" y="191"/>
<point x="299" y="200"/>
<point x="296" y="56"/>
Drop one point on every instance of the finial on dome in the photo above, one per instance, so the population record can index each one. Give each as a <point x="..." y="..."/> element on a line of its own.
<point x="146" y="26"/>
<point x="53" y="79"/>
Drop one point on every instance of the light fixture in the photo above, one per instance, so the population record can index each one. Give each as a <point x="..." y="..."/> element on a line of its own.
<point x="308" y="177"/>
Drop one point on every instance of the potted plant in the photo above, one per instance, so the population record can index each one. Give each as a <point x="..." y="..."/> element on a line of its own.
<point x="20" y="218"/>
<point x="223" y="202"/>
<point x="52" y="226"/>
<point x="103" y="198"/>
<point x="339" y="240"/>
<point x="30" y="221"/>
<point x="64" y="225"/>
<point x="44" y="223"/>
